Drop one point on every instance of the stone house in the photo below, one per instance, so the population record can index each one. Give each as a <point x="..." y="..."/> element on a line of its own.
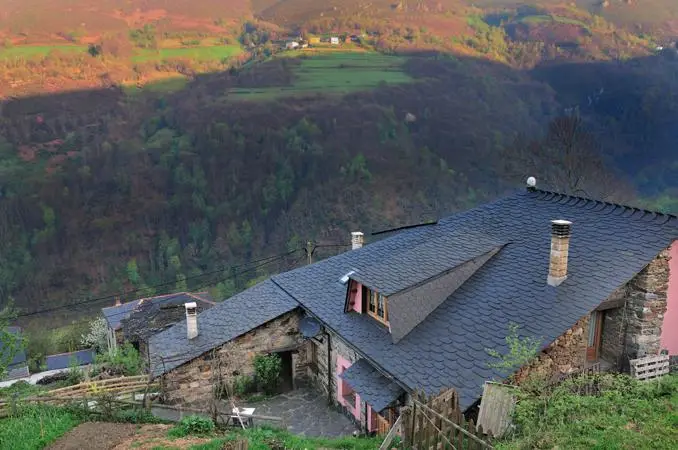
<point x="417" y="310"/>
<point x="137" y="320"/>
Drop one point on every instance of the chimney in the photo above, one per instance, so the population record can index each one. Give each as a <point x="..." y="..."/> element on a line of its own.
<point x="356" y="240"/>
<point x="191" y="320"/>
<point x="560" y="248"/>
<point x="117" y="301"/>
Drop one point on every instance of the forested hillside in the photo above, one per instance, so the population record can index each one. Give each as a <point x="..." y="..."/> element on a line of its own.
<point x="157" y="146"/>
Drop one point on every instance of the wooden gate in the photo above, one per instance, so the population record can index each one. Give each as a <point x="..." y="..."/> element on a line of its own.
<point x="438" y="423"/>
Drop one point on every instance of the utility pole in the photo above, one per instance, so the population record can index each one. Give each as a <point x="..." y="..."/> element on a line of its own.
<point x="310" y="248"/>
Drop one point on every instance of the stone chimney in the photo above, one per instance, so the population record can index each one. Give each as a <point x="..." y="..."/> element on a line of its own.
<point x="357" y="240"/>
<point x="191" y="320"/>
<point x="560" y="248"/>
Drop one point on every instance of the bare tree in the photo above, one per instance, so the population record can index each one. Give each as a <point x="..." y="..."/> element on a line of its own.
<point x="568" y="160"/>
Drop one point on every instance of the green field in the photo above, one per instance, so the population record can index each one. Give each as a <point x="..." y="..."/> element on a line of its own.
<point x="38" y="51"/>
<point x="195" y="53"/>
<point x="540" y="19"/>
<point x="164" y="86"/>
<point x="334" y="73"/>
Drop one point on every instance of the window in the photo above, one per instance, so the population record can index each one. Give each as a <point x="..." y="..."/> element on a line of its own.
<point x="377" y="305"/>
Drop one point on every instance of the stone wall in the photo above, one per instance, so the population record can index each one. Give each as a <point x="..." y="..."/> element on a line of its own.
<point x="564" y="355"/>
<point x="646" y="306"/>
<point x="192" y="383"/>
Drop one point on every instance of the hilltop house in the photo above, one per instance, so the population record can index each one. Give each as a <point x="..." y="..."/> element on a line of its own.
<point x="147" y="316"/>
<point x="18" y="367"/>
<point x="595" y="281"/>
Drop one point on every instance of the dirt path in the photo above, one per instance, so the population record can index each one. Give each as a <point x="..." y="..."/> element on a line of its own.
<point x="120" y="436"/>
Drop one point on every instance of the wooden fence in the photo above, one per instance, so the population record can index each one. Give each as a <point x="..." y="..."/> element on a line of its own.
<point x="438" y="423"/>
<point x="115" y="389"/>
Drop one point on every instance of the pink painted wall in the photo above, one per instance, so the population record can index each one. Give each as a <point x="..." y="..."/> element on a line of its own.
<point x="356" y="297"/>
<point x="343" y="364"/>
<point x="370" y="425"/>
<point x="669" y="337"/>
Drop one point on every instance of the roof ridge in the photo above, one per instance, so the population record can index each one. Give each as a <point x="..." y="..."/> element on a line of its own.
<point x="542" y="194"/>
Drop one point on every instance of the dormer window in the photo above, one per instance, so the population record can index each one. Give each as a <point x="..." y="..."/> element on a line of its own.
<point x="364" y="300"/>
<point x="377" y="305"/>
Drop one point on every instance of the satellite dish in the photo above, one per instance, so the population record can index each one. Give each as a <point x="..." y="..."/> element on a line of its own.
<point x="309" y="327"/>
<point x="531" y="182"/>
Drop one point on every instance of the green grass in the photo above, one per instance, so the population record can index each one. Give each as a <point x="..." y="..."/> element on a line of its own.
<point x="164" y="86"/>
<point x="333" y="73"/>
<point x="266" y="438"/>
<point x="35" y="427"/>
<point x="550" y="18"/>
<point x="203" y="53"/>
<point x="21" y="389"/>
<point x="626" y="415"/>
<point x="38" y="51"/>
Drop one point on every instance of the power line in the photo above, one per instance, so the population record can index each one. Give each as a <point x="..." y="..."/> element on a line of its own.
<point x="211" y="283"/>
<point x="267" y="260"/>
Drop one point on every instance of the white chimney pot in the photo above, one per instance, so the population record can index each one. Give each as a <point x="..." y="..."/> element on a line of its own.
<point x="191" y="320"/>
<point x="357" y="239"/>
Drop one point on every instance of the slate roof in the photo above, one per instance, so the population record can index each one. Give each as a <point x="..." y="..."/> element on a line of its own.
<point x="222" y="323"/>
<point x="115" y="314"/>
<point x="151" y="317"/>
<point x="63" y="360"/>
<point x="425" y="260"/>
<point x="610" y="244"/>
<point x="372" y="386"/>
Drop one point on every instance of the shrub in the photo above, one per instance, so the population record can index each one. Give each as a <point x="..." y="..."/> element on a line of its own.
<point x="97" y="335"/>
<point x="75" y="373"/>
<point x="192" y="425"/>
<point x="243" y="385"/>
<point x="125" y="360"/>
<point x="135" y="416"/>
<point x="267" y="372"/>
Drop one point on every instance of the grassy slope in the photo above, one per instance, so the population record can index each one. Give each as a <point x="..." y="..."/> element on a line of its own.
<point x="37" y="51"/>
<point x="627" y="415"/>
<point x="195" y="53"/>
<point x="334" y="73"/>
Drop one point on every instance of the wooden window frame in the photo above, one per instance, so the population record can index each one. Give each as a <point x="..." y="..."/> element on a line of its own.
<point x="371" y="294"/>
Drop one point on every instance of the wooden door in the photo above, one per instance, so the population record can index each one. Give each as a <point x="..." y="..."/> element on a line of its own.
<point x="594" y="338"/>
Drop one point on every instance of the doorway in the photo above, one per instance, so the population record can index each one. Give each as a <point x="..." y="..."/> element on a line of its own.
<point x="594" y="338"/>
<point x="286" y="372"/>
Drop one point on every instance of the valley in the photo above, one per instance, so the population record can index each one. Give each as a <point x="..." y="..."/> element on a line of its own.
<point x="151" y="148"/>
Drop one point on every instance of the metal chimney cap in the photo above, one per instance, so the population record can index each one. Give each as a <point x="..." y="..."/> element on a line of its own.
<point x="531" y="182"/>
<point x="561" y="222"/>
<point x="357" y="233"/>
<point x="191" y="305"/>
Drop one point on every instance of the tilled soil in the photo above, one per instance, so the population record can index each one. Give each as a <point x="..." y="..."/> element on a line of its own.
<point x="120" y="436"/>
<point x="95" y="435"/>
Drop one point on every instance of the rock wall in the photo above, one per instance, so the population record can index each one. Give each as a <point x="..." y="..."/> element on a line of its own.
<point x="193" y="383"/>
<point x="564" y="355"/>
<point x="646" y="306"/>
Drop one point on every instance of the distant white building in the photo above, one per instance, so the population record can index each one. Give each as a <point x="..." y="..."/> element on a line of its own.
<point x="334" y="40"/>
<point x="291" y="45"/>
